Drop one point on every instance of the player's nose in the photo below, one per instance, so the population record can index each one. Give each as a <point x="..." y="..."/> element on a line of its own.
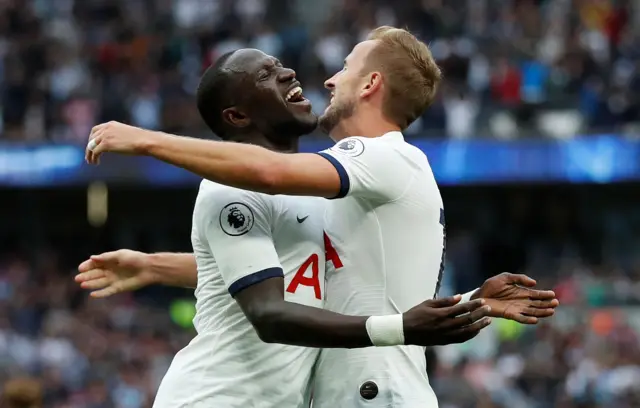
<point x="286" y="74"/>
<point x="330" y="83"/>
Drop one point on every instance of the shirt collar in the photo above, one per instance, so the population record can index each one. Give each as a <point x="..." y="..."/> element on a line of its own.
<point x="395" y="135"/>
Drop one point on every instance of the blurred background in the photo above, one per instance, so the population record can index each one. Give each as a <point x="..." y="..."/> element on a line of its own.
<point x="534" y="140"/>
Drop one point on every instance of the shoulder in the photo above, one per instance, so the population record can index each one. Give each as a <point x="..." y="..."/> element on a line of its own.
<point x="353" y="146"/>
<point x="359" y="146"/>
<point x="217" y="203"/>
<point x="214" y="193"/>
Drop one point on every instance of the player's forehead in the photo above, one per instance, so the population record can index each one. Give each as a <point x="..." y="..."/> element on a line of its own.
<point x="360" y="52"/>
<point x="250" y="61"/>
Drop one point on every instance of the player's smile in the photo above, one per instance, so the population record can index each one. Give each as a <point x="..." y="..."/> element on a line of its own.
<point x="294" y="98"/>
<point x="330" y="104"/>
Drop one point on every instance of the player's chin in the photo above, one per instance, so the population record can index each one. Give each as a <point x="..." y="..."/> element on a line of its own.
<point x="327" y="122"/>
<point x="308" y="121"/>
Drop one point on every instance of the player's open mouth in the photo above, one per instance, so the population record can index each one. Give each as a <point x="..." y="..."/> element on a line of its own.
<point x="296" y="98"/>
<point x="295" y="95"/>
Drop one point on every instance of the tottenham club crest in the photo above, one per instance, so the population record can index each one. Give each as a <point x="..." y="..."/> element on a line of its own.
<point x="350" y="147"/>
<point x="236" y="219"/>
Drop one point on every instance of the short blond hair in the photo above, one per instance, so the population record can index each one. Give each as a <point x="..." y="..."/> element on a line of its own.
<point x="411" y="74"/>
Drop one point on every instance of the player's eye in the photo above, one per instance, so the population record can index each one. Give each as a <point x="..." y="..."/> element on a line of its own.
<point x="264" y="75"/>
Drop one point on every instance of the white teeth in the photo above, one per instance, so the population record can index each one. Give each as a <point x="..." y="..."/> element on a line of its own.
<point x="294" y="92"/>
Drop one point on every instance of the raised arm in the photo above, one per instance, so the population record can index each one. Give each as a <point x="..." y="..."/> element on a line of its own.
<point x="238" y="165"/>
<point x="354" y="166"/>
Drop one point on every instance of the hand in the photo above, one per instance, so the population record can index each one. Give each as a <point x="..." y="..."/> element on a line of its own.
<point x="511" y="297"/>
<point x="445" y="321"/>
<point x="118" y="138"/>
<point x="114" y="272"/>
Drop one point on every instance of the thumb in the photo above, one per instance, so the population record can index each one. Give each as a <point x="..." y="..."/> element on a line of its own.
<point x="444" y="302"/>
<point x="106" y="258"/>
<point x="520" y="279"/>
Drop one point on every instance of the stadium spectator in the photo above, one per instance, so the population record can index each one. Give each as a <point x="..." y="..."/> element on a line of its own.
<point x="68" y="64"/>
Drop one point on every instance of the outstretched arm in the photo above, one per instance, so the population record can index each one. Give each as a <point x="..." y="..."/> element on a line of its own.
<point x="275" y="320"/>
<point x="238" y="165"/>
<point x="354" y="166"/>
<point x="174" y="269"/>
<point x="125" y="270"/>
<point x="249" y="167"/>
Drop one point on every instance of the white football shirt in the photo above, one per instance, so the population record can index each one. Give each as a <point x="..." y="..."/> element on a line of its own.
<point x="388" y="233"/>
<point x="241" y="238"/>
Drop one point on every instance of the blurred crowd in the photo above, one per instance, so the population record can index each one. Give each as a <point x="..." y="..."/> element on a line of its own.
<point x="87" y="354"/>
<point x="512" y="67"/>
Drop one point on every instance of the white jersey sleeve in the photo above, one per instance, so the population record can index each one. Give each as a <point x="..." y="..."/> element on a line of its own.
<point x="238" y="232"/>
<point x="369" y="168"/>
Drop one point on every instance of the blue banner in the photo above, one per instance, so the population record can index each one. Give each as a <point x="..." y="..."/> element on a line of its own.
<point x="595" y="159"/>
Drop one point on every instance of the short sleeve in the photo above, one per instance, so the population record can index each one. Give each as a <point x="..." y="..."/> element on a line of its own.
<point x="368" y="167"/>
<point x="237" y="227"/>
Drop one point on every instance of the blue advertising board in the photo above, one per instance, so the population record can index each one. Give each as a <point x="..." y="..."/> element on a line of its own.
<point x="593" y="159"/>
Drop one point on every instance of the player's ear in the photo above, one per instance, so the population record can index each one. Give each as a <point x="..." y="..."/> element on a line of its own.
<point x="372" y="84"/>
<point x="236" y="118"/>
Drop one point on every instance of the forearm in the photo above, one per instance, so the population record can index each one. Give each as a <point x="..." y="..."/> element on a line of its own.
<point x="174" y="269"/>
<point x="299" y="325"/>
<point x="238" y="165"/>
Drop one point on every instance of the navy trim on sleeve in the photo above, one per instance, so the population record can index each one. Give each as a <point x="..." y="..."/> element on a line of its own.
<point x="345" y="184"/>
<point x="254" y="278"/>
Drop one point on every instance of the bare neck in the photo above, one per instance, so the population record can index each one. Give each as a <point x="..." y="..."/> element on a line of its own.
<point x="366" y="123"/>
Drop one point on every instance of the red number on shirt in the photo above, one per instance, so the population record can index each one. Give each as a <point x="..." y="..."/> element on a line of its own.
<point x="330" y="253"/>
<point x="300" y="279"/>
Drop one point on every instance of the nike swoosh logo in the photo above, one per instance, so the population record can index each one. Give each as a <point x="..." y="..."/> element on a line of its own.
<point x="301" y="220"/>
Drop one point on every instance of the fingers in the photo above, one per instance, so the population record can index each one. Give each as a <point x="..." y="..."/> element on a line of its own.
<point x="444" y="302"/>
<point x="90" y="275"/>
<point x="87" y="265"/>
<point x="467" y="319"/>
<point x="542" y="295"/>
<point x="519" y="279"/>
<point x="98" y="283"/>
<point x="100" y="147"/>
<point x="521" y="318"/>
<point x="530" y="311"/>
<point x="93" y="149"/>
<point x="543" y="304"/>
<point x="463" y="308"/>
<point x="95" y="261"/>
<point x="528" y="315"/>
<point x="106" y="258"/>
<point x="468" y="332"/>
<point x="103" y="293"/>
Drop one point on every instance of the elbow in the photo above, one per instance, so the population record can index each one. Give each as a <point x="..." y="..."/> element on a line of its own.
<point x="266" y="321"/>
